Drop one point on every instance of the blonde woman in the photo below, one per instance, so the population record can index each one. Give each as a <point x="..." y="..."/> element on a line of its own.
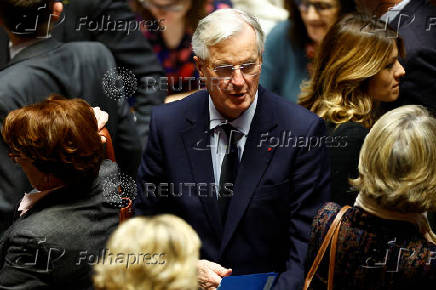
<point x="159" y="253"/>
<point x="385" y="241"/>
<point x="355" y="70"/>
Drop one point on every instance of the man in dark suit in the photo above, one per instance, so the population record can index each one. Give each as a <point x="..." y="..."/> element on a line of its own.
<point x="42" y="66"/>
<point x="415" y="21"/>
<point x="106" y="21"/>
<point x="244" y="167"/>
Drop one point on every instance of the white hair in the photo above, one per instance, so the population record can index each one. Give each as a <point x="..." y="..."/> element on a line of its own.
<point x="221" y="25"/>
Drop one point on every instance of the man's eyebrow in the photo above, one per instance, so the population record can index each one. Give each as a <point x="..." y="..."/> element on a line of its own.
<point x="221" y="62"/>
<point x="224" y="62"/>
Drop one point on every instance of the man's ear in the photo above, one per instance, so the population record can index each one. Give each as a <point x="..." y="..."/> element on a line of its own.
<point x="199" y="65"/>
<point x="58" y="7"/>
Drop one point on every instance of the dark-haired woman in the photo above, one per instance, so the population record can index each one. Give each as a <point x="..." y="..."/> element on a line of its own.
<point x="169" y="25"/>
<point x="291" y="44"/>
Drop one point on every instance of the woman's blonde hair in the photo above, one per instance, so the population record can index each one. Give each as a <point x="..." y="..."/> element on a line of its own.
<point x="355" y="49"/>
<point x="397" y="161"/>
<point x="163" y="250"/>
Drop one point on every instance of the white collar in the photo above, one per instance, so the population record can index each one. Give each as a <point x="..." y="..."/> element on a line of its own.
<point x="242" y="123"/>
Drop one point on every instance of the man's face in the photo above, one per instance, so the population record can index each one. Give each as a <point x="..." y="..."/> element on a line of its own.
<point x="234" y="93"/>
<point x="376" y="7"/>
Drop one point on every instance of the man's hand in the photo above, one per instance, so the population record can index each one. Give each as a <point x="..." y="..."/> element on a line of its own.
<point x="210" y="274"/>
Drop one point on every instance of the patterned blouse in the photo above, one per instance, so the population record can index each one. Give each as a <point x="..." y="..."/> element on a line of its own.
<point x="178" y="62"/>
<point x="372" y="253"/>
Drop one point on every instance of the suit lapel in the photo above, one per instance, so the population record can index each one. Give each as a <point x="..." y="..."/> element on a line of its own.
<point x="255" y="161"/>
<point x="196" y="140"/>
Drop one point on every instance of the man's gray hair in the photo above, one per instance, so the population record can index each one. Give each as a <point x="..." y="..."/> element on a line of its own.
<point x="219" y="26"/>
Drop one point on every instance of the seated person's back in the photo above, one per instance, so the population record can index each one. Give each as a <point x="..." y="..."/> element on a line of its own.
<point x="385" y="241"/>
<point x="42" y="66"/>
<point x="62" y="225"/>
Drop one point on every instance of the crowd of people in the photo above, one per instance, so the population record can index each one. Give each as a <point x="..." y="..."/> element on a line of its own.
<point x="270" y="150"/>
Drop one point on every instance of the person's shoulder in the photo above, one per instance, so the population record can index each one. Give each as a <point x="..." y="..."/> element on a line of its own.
<point x="92" y="53"/>
<point x="280" y="29"/>
<point x="352" y="129"/>
<point x="329" y="208"/>
<point x="419" y="32"/>
<point x="420" y="7"/>
<point x="15" y="82"/>
<point x="87" y="7"/>
<point x="278" y="35"/>
<point x="33" y="227"/>
<point x="325" y="216"/>
<point x="287" y="110"/>
<point x="11" y="72"/>
<point x="91" y="48"/>
<point x="180" y="107"/>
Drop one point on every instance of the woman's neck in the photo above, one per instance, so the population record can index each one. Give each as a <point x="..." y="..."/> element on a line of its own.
<point x="173" y="34"/>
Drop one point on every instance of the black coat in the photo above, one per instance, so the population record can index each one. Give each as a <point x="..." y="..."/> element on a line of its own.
<point x="130" y="48"/>
<point x="74" y="70"/>
<point x="344" y="156"/>
<point x="51" y="245"/>
<point x="417" y="27"/>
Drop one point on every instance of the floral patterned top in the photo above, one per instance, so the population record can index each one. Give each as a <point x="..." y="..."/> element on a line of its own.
<point x="178" y="62"/>
<point x="372" y="253"/>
